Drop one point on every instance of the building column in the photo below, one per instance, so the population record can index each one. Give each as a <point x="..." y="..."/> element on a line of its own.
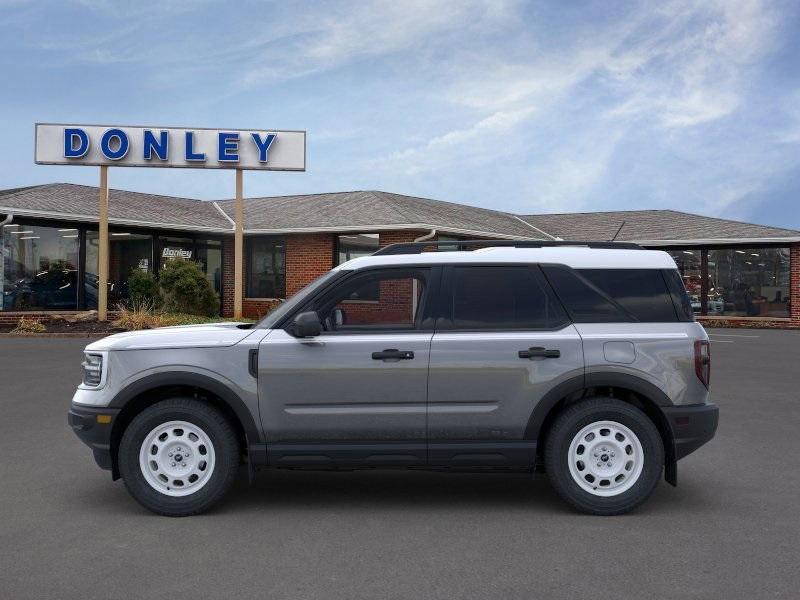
<point x="238" y="252"/>
<point x="794" y="283"/>
<point x="102" y="253"/>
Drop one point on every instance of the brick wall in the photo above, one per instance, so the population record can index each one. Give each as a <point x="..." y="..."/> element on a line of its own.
<point x="255" y="309"/>
<point x="227" y="277"/>
<point x="307" y="257"/>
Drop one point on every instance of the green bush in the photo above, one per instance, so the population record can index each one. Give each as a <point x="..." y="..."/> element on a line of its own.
<point x="186" y="290"/>
<point x="143" y="289"/>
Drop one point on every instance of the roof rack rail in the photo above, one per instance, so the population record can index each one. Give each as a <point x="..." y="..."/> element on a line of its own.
<point x="449" y="245"/>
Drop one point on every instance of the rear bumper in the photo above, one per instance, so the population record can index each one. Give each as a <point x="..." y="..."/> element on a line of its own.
<point x="692" y="426"/>
<point x="93" y="432"/>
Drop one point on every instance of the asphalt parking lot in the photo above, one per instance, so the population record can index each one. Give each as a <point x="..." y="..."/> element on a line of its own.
<point x="731" y="529"/>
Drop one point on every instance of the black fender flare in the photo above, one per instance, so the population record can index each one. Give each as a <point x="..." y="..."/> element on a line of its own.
<point x="609" y="379"/>
<point x="192" y="379"/>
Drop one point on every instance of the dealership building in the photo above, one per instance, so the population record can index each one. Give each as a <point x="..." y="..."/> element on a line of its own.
<point x="737" y="274"/>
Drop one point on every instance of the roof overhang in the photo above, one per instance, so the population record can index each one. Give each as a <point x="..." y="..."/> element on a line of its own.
<point x="277" y="231"/>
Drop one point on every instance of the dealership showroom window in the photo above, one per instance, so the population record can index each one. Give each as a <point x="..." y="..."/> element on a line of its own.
<point x="55" y="268"/>
<point x="738" y="281"/>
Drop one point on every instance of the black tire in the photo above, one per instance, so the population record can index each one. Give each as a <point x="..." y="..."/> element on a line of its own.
<point x="226" y="451"/>
<point x="570" y="422"/>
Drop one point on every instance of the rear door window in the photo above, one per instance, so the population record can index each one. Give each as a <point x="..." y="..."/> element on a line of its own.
<point x="501" y="298"/>
<point x="683" y="306"/>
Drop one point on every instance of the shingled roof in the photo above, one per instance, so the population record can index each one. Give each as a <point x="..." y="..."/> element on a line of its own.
<point x="79" y="202"/>
<point x="374" y="210"/>
<point x="365" y="211"/>
<point x="654" y="226"/>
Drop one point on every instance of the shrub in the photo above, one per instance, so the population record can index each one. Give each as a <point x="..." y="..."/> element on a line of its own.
<point x="141" y="316"/>
<point x="186" y="290"/>
<point x="143" y="289"/>
<point x="26" y="325"/>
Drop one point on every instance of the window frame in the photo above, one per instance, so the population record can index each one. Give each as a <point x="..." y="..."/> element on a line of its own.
<point x="444" y="321"/>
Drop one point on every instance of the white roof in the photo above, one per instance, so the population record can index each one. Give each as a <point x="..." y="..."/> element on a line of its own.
<point x="577" y="257"/>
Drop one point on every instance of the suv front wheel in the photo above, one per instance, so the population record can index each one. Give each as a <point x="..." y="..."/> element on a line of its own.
<point x="178" y="457"/>
<point x="604" y="456"/>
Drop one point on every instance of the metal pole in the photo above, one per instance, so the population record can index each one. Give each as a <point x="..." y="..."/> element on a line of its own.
<point x="102" y="257"/>
<point x="238" y="255"/>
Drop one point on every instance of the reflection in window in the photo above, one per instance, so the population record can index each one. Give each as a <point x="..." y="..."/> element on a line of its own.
<point x="209" y="255"/>
<point x="128" y="252"/>
<point x="355" y="245"/>
<point x="39" y="268"/>
<point x="396" y="304"/>
<point x="266" y="267"/>
<point x="749" y="282"/>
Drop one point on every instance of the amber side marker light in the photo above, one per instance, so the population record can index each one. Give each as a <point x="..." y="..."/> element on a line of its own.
<point x="104" y="419"/>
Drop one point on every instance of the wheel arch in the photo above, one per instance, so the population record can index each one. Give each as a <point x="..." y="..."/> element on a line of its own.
<point x="628" y="388"/>
<point x="151" y="389"/>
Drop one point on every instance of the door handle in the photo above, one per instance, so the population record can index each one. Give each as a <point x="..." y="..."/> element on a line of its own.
<point x="539" y="352"/>
<point x="393" y="354"/>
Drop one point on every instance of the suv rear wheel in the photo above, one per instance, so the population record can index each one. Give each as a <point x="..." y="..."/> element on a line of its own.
<point x="604" y="456"/>
<point x="179" y="457"/>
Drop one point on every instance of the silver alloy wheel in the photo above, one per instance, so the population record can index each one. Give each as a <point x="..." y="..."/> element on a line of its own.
<point x="605" y="458"/>
<point x="177" y="458"/>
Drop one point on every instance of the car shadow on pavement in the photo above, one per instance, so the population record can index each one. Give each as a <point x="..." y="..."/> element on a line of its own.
<point x="396" y="490"/>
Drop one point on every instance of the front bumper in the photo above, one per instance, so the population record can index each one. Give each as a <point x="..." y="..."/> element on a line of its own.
<point x="93" y="426"/>
<point x="692" y="426"/>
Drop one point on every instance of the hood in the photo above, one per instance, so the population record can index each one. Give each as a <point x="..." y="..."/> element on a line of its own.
<point x="184" y="336"/>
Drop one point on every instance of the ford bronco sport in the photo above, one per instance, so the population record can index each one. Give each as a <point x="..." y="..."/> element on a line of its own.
<point x="576" y="358"/>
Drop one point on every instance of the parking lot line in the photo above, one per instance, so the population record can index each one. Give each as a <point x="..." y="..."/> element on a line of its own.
<point x="733" y="335"/>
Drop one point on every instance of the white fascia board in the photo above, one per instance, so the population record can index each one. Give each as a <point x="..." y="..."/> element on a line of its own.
<point x="113" y="221"/>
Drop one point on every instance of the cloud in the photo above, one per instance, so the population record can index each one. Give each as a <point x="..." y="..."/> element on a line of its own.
<point x="476" y="143"/>
<point x="341" y="33"/>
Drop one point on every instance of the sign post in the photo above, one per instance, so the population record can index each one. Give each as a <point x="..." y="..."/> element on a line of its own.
<point x="238" y="244"/>
<point x="175" y="147"/>
<point x="103" y="253"/>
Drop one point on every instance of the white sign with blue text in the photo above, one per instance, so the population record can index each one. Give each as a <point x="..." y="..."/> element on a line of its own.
<point x="181" y="147"/>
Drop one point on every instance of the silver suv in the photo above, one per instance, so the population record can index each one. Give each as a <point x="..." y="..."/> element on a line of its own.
<point x="579" y="359"/>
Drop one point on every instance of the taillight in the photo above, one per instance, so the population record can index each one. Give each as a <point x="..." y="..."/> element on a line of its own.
<point x="702" y="361"/>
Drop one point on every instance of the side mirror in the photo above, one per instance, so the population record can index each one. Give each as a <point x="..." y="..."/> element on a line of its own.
<point x="306" y="324"/>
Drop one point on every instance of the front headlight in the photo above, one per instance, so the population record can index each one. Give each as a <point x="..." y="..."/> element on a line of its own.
<point x="92" y="369"/>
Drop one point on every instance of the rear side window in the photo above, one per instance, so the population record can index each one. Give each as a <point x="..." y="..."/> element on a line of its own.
<point x="641" y="292"/>
<point x="501" y="298"/>
<point x="585" y="302"/>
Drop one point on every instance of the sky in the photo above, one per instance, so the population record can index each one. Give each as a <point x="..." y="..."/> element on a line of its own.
<point x="527" y="107"/>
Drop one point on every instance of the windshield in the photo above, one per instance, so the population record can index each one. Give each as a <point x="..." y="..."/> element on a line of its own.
<point x="280" y="311"/>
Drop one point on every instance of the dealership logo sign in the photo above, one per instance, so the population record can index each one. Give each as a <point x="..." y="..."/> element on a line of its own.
<point x="170" y="147"/>
<point x="176" y="253"/>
